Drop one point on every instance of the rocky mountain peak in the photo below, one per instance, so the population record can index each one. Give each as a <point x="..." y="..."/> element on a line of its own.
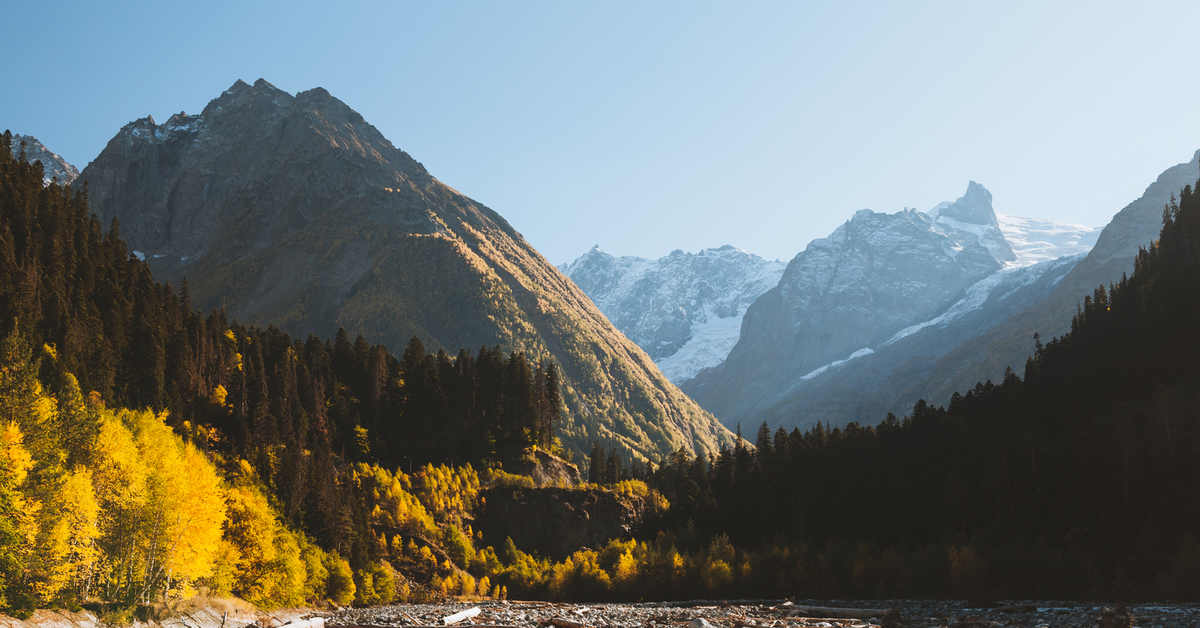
<point x="846" y="294"/>
<point x="54" y="167"/>
<point x="973" y="208"/>
<point x="295" y="211"/>
<point x="972" y="215"/>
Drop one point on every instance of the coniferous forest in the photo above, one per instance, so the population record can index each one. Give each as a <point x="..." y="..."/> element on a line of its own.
<point x="149" y="450"/>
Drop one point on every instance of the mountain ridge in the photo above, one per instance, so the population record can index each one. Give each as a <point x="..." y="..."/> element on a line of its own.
<point x="54" y="167"/>
<point x="293" y="210"/>
<point x="684" y="309"/>
<point x="976" y="344"/>
<point x="872" y="277"/>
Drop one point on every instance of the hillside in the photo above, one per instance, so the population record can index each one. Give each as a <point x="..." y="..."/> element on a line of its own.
<point x="294" y="211"/>
<point x="1009" y="343"/>
<point x="1076" y="481"/>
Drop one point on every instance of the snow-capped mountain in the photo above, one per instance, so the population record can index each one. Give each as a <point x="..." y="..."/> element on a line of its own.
<point x="846" y="295"/>
<point x="685" y="310"/>
<point x="883" y="330"/>
<point x="971" y="219"/>
<point x="1036" y="240"/>
<point x="55" y="168"/>
<point x="904" y="368"/>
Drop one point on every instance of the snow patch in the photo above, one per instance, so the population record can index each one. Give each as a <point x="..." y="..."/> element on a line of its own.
<point x="865" y="351"/>
<point x="140" y="255"/>
<point x="1035" y="240"/>
<point x="709" y="345"/>
<point x="958" y="225"/>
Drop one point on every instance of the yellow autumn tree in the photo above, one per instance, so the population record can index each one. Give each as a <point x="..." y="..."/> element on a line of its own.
<point x="18" y="530"/>
<point x="161" y="507"/>
<point x="67" y="551"/>
<point x="269" y="569"/>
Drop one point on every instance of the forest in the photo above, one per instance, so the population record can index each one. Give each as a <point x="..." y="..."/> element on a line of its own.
<point x="112" y="387"/>
<point x="149" y="451"/>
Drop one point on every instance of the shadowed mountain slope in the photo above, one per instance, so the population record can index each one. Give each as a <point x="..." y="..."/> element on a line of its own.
<point x="294" y="211"/>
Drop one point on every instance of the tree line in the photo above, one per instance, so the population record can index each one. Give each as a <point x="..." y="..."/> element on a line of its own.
<point x="348" y="473"/>
<point x="1078" y="480"/>
<point x="294" y="431"/>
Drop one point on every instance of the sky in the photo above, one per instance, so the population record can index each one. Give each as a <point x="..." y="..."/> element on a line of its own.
<point x="645" y="127"/>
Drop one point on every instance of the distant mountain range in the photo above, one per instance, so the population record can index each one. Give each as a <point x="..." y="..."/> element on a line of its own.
<point x="887" y="310"/>
<point x="294" y="211"/>
<point x="685" y="310"/>
<point x="895" y="308"/>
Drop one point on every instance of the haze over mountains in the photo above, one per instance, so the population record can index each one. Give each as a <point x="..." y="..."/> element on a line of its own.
<point x="878" y="316"/>
<point x="888" y="310"/>
<point x="285" y="209"/>
<point x="685" y="310"/>
<point x="294" y="211"/>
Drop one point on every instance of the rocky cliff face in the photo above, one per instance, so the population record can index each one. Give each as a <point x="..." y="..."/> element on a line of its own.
<point x="685" y="310"/>
<point x="294" y="211"/>
<point x="986" y="355"/>
<point x="847" y="294"/>
<point x="897" y="373"/>
<point x="546" y="469"/>
<point x="971" y="219"/>
<point x="557" y="522"/>
<point x="987" y="327"/>
<point x="55" y="168"/>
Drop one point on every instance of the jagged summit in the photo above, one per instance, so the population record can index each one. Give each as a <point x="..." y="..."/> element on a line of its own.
<point x="293" y="210"/>
<point x="974" y="207"/>
<point x="847" y="294"/>
<point x="54" y="167"/>
<point x="972" y="214"/>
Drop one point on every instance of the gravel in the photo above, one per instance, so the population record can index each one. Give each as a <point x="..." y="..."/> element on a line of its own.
<point x="765" y="614"/>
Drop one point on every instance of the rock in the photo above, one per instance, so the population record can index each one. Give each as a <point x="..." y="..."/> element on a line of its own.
<point x="1120" y="617"/>
<point x="892" y="619"/>
<point x="547" y="469"/>
<point x="295" y="211"/>
<point x="54" y="168"/>
<point x="700" y="623"/>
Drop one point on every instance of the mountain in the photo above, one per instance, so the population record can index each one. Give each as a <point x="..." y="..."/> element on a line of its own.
<point x="685" y="310"/>
<point x="845" y="295"/>
<point x="988" y="328"/>
<point x="972" y="215"/>
<point x="895" y="374"/>
<point x="1009" y="343"/>
<point x="53" y="166"/>
<point x="1036" y="240"/>
<point x="294" y="211"/>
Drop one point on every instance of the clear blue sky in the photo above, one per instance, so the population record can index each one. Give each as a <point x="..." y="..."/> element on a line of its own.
<point x="649" y="126"/>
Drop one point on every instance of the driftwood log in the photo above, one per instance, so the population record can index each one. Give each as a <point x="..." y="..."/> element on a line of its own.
<point x="450" y="620"/>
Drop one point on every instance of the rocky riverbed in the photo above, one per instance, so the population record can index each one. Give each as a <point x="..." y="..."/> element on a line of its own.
<point x="778" y="614"/>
